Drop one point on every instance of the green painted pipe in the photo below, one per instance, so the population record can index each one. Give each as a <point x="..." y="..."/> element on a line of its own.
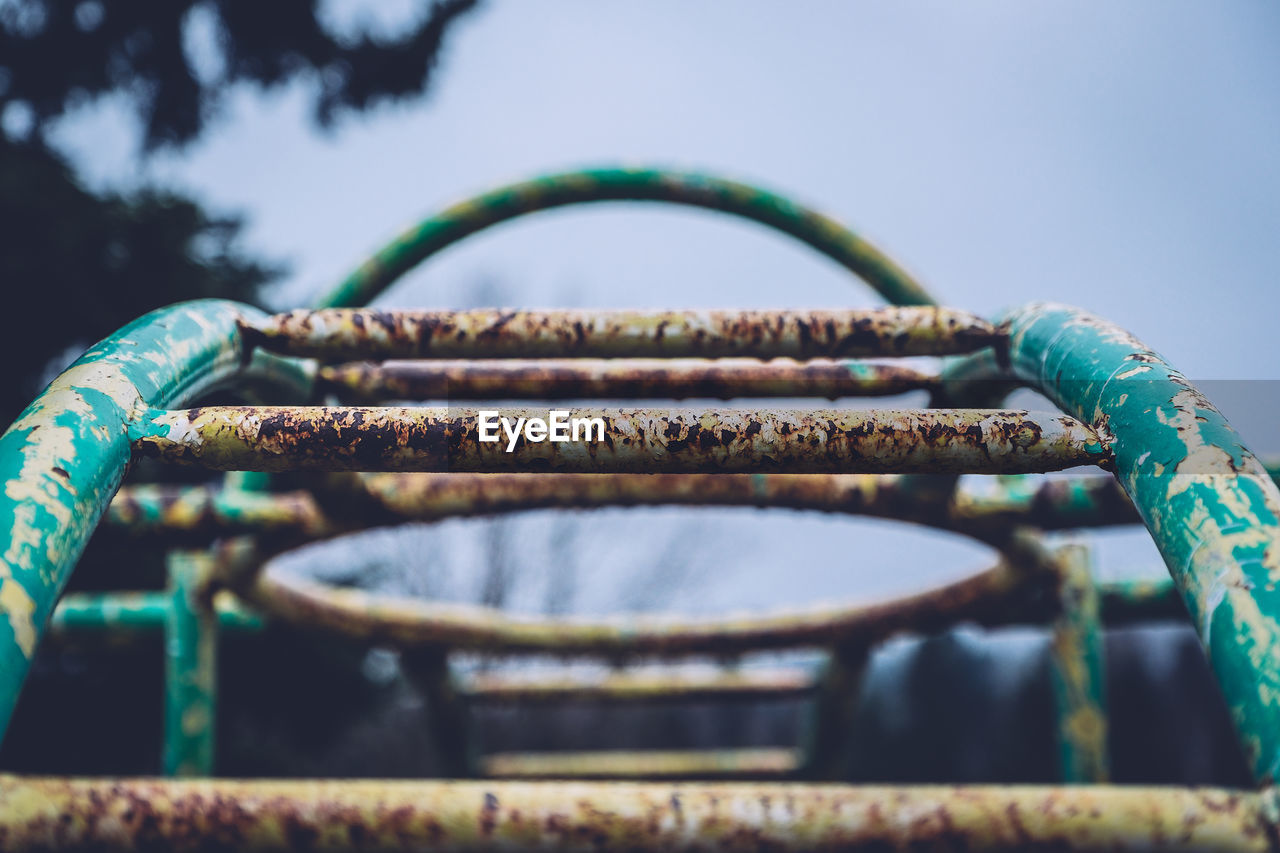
<point x="1076" y="671"/>
<point x="191" y="669"/>
<point x="63" y="458"/>
<point x="595" y="185"/>
<point x="1211" y="508"/>
<point x="127" y="612"/>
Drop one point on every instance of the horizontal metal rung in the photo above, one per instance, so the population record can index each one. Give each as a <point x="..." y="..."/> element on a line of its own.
<point x="344" y="334"/>
<point x="979" y="441"/>
<point x="644" y="764"/>
<point x="722" y="685"/>
<point x="262" y="814"/>
<point x="619" y="379"/>
<point x="129" y="612"/>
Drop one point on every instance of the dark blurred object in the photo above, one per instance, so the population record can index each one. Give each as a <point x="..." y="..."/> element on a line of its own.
<point x="77" y="265"/>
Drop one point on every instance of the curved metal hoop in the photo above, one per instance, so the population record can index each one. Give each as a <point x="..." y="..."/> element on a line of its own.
<point x="461" y="220"/>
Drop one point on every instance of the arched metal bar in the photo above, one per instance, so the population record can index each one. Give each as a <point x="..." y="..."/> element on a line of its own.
<point x="1209" y="504"/>
<point x="985" y="597"/>
<point x="461" y="220"/>
<point x="64" y="457"/>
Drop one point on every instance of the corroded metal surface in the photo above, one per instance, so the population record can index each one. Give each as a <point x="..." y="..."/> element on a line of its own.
<point x="208" y="510"/>
<point x="107" y="814"/>
<point x="638" y="440"/>
<point x="341" y="334"/>
<point x="64" y="456"/>
<point x="619" y="379"/>
<point x="724" y="685"/>
<point x="1077" y="672"/>
<point x="820" y="232"/>
<point x="1211" y="507"/>
<point x="757" y="763"/>
<point x="1050" y="505"/>
<point x="351" y="503"/>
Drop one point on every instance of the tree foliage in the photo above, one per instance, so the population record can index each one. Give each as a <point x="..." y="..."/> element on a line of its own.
<point x="76" y="263"/>
<point x="56" y="53"/>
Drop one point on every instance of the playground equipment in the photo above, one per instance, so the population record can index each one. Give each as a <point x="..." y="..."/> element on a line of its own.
<point x="1175" y="466"/>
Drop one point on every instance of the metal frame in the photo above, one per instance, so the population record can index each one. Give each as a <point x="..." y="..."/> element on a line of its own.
<point x="1212" y="508"/>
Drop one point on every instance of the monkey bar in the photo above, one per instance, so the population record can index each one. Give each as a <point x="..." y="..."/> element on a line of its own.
<point x="1212" y="509"/>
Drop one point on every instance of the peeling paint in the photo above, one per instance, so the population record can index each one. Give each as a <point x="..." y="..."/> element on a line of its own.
<point x="1210" y="506"/>
<point x="63" y="458"/>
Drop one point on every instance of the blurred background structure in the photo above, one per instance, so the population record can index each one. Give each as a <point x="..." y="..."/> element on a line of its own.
<point x="1124" y="159"/>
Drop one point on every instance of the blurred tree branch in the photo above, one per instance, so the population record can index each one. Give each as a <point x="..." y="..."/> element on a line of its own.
<point x="54" y="54"/>
<point x="78" y="263"/>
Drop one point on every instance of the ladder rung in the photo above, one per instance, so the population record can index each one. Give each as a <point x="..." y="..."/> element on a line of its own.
<point x="723" y="685"/>
<point x="647" y="441"/>
<point x="618" y="379"/>
<point x="344" y="334"/>
<point x="757" y="763"/>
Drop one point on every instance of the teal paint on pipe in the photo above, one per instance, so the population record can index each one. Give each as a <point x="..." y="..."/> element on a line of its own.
<point x="461" y="220"/>
<point x="1076" y="669"/>
<point x="191" y="670"/>
<point x="133" y="612"/>
<point x="1211" y="507"/>
<point x="63" y="458"/>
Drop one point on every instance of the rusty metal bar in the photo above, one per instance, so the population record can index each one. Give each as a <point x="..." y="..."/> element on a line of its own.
<point x="619" y="441"/>
<point x="757" y="763"/>
<point x="635" y="379"/>
<point x="1052" y="505"/>
<point x="207" y="510"/>
<point x="191" y="668"/>
<point x="186" y="815"/>
<point x="1077" y="672"/>
<point x="345" y="334"/>
<point x="357" y="502"/>
<point x="352" y="503"/>
<point x="624" y="687"/>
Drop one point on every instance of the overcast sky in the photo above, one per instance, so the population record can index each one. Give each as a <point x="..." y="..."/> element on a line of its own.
<point x="1121" y="157"/>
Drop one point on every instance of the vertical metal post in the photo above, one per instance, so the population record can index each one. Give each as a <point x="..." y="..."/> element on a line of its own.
<point x="1076" y="670"/>
<point x="190" y="654"/>
<point x="448" y="715"/>
<point x="828" y="745"/>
